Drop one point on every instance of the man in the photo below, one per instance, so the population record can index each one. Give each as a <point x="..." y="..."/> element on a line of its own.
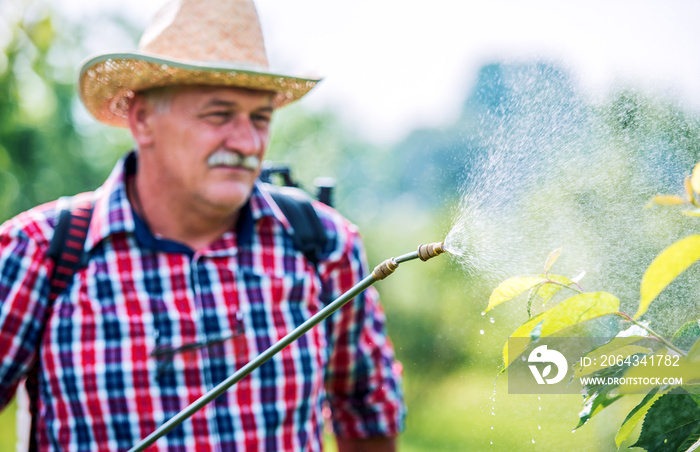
<point x="191" y="269"/>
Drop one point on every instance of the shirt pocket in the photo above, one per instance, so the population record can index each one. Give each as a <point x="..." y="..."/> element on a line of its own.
<point x="277" y="303"/>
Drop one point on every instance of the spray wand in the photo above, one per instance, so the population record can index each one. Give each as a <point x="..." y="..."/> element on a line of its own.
<point x="380" y="272"/>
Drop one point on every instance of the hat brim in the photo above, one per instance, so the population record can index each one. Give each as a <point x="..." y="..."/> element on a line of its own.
<point x="107" y="82"/>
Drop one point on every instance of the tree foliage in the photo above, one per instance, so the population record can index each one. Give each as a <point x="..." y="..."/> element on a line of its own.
<point x="670" y="413"/>
<point x="44" y="152"/>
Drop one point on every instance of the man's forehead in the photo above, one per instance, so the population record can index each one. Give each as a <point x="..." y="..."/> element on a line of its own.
<point x="225" y="95"/>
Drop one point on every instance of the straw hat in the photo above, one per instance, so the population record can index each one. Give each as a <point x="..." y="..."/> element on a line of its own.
<point x="189" y="42"/>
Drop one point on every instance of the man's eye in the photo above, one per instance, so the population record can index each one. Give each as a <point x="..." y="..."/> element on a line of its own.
<point x="217" y="116"/>
<point x="260" y="120"/>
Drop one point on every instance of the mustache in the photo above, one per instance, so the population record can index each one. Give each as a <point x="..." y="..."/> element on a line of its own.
<point x="234" y="160"/>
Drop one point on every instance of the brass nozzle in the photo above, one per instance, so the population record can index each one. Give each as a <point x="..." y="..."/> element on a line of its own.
<point x="384" y="269"/>
<point x="429" y="250"/>
<point x="424" y="252"/>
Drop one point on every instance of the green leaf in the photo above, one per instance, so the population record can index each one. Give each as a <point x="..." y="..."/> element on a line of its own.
<point x="511" y="288"/>
<point x="579" y="308"/>
<point x="671" y="420"/>
<point x="689" y="190"/>
<point x="695" y="179"/>
<point x="523" y="330"/>
<point x="598" y="392"/>
<point x="548" y="290"/>
<point x="694" y="352"/>
<point x="42" y="34"/>
<point x="667" y="200"/>
<point x="686" y="335"/>
<point x="596" y="403"/>
<point x="569" y="312"/>
<point x="530" y="297"/>
<point x="636" y="415"/>
<point x="672" y="261"/>
<point x="681" y="369"/>
<point x="692" y="442"/>
<point x="551" y="258"/>
<point x="689" y="329"/>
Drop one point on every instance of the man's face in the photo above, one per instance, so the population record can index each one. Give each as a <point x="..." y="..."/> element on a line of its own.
<point x="206" y="148"/>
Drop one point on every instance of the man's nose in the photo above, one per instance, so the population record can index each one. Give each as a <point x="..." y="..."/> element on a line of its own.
<point x="243" y="137"/>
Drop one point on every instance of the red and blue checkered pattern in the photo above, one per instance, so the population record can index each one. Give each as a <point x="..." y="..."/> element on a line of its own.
<point x="149" y="326"/>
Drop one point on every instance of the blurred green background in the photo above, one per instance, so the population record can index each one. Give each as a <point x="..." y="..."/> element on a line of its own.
<point x="528" y="166"/>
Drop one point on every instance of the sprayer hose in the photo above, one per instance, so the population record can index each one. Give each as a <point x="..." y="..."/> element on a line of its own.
<point x="383" y="270"/>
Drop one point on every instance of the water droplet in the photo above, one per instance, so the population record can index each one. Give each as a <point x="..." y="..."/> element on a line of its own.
<point x="539" y="408"/>
<point x="483" y="312"/>
<point x="573" y="431"/>
<point x="539" y="427"/>
<point x="492" y="320"/>
<point x="481" y="331"/>
<point x="533" y="440"/>
<point x="492" y="427"/>
<point x="493" y="413"/>
<point x="491" y="442"/>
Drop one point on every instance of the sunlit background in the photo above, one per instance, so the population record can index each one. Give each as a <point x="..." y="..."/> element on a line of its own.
<point x="391" y="66"/>
<point x="517" y="127"/>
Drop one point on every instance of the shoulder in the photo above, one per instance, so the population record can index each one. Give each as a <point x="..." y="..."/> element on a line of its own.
<point x="338" y="239"/>
<point x="34" y="225"/>
<point x="343" y="236"/>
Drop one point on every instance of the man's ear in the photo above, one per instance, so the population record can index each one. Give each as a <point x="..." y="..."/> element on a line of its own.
<point x="140" y="116"/>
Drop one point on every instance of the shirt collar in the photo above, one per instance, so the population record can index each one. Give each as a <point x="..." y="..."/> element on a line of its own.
<point x="113" y="214"/>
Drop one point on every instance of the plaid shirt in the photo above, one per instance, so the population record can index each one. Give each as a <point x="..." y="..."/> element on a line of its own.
<point x="149" y="326"/>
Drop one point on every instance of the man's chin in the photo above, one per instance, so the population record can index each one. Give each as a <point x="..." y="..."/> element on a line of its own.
<point x="232" y="197"/>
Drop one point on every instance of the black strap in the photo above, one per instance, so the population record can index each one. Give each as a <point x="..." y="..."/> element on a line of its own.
<point x="308" y="233"/>
<point x="66" y="250"/>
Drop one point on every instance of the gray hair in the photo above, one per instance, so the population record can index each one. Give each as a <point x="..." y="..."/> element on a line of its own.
<point x="160" y="98"/>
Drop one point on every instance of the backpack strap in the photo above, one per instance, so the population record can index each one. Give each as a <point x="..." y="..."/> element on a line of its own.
<point x="66" y="248"/>
<point x="308" y="234"/>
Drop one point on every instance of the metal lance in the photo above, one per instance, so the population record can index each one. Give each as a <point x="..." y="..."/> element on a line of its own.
<point x="380" y="272"/>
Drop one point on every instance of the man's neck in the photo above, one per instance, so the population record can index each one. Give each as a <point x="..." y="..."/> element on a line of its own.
<point x="171" y="218"/>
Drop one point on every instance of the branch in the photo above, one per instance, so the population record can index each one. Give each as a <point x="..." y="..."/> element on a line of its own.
<point x="578" y="288"/>
<point x="653" y="333"/>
